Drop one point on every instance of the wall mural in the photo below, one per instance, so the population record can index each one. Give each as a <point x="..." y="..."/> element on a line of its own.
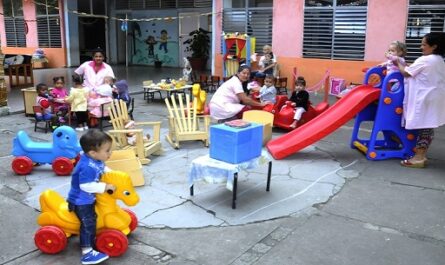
<point x="155" y="41"/>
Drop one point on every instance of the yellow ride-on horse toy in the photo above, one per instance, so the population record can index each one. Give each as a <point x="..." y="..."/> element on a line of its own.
<point x="113" y="223"/>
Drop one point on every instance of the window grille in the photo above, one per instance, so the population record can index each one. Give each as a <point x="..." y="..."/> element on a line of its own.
<point x="161" y="4"/>
<point x="48" y="32"/>
<point x="422" y="19"/>
<point x="256" y="22"/>
<point x="15" y="32"/>
<point x="48" y="25"/>
<point x="335" y="31"/>
<point x="14" y="23"/>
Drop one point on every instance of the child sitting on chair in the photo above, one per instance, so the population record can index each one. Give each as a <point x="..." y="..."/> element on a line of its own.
<point x="43" y="100"/>
<point x="268" y="92"/>
<point x="300" y="99"/>
<point x="120" y="91"/>
<point x="59" y="92"/>
<point x="131" y="136"/>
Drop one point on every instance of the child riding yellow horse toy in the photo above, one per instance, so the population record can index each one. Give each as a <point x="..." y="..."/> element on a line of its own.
<point x="113" y="223"/>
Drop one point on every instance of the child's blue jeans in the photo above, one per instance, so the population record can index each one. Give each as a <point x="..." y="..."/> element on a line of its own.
<point x="87" y="217"/>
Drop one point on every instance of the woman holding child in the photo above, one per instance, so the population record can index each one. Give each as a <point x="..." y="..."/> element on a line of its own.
<point x="95" y="71"/>
<point x="230" y="100"/>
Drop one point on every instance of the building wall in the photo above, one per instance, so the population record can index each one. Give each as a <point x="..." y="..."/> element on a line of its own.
<point x="56" y="56"/>
<point x="386" y="22"/>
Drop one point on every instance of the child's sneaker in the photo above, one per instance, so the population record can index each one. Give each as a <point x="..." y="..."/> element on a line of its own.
<point x="62" y="120"/>
<point x="93" y="257"/>
<point x="80" y="129"/>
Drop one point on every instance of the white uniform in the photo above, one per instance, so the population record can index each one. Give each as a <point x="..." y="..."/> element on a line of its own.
<point x="423" y="105"/>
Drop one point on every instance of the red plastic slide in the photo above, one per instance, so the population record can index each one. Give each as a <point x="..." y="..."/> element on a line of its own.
<point x="325" y="123"/>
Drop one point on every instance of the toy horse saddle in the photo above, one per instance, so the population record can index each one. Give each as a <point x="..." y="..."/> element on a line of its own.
<point x="53" y="204"/>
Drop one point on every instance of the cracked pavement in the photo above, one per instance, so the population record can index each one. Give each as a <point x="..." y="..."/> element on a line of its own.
<point x="327" y="205"/>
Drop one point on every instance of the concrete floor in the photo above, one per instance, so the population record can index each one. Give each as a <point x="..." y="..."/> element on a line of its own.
<point x="327" y="203"/>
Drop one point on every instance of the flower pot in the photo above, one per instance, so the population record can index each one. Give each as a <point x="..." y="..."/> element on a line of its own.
<point x="158" y="64"/>
<point x="198" y="63"/>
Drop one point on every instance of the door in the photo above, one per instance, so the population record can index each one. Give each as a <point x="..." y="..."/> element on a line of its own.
<point x="187" y="23"/>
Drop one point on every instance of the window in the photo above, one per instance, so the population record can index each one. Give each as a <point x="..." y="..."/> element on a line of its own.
<point x="423" y="17"/>
<point x="335" y="29"/>
<point x="161" y="4"/>
<point x="15" y="24"/>
<point x="254" y="20"/>
<point x="48" y="24"/>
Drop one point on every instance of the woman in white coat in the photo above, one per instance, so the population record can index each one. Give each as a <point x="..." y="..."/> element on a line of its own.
<point x="423" y="105"/>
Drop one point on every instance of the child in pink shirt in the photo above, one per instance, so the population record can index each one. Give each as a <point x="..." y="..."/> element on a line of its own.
<point x="58" y="93"/>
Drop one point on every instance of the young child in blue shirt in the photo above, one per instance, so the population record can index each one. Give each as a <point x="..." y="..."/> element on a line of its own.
<point x="85" y="183"/>
<point x="268" y="92"/>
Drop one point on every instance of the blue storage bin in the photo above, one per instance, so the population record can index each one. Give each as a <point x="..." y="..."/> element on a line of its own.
<point x="235" y="145"/>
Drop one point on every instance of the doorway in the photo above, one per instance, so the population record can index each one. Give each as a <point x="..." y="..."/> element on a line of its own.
<point x="92" y="30"/>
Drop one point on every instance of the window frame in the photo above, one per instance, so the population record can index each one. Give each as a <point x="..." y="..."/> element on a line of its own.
<point x="338" y="38"/>
<point x="49" y="34"/>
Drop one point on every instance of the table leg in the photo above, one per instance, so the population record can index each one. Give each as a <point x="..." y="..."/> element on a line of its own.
<point x="235" y="186"/>
<point x="269" y="171"/>
<point x="191" y="190"/>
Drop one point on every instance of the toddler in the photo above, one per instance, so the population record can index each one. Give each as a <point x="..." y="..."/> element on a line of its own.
<point x="268" y="92"/>
<point x="131" y="136"/>
<point x="102" y="96"/>
<point x="300" y="99"/>
<point x="120" y="91"/>
<point x="78" y="99"/>
<point x="85" y="183"/>
<point x="395" y="53"/>
<point x="58" y="93"/>
<point x="43" y="100"/>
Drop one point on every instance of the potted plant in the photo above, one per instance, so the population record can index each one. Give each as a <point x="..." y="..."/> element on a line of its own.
<point x="199" y="46"/>
<point x="157" y="62"/>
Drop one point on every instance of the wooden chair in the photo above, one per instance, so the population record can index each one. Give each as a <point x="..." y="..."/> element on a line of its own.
<point x="214" y="83"/>
<point x="143" y="147"/>
<point x="100" y="120"/>
<point x="281" y="85"/>
<point x="184" y="123"/>
<point x="47" y="126"/>
<point x="204" y="82"/>
<point x="262" y="117"/>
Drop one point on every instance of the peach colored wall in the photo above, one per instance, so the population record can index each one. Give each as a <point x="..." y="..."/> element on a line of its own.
<point x="386" y="23"/>
<point x="29" y="13"/>
<point x="287" y="34"/>
<point x="217" y="62"/>
<point x="56" y="56"/>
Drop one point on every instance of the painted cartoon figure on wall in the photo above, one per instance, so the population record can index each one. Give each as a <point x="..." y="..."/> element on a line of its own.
<point x="163" y="40"/>
<point x="151" y="41"/>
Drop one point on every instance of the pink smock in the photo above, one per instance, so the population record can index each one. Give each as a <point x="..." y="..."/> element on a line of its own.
<point x="423" y="104"/>
<point x="92" y="79"/>
<point x="225" y="102"/>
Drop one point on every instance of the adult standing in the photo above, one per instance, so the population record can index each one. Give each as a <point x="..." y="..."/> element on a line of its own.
<point x="230" y="100"/>
<point x="95" y="71"/>
<point x="423" y="107"/>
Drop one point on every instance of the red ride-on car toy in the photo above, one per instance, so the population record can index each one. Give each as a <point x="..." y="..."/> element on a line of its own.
<point x="285" y="116"/>
<point x="62" y="153"/>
